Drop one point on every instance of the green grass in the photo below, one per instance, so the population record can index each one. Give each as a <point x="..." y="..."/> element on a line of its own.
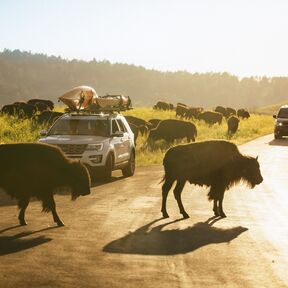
<point x="13" y="130"/>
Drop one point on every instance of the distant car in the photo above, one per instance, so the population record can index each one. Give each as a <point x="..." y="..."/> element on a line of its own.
<point x="281" y="123"/>
<point x="103" y="142"/>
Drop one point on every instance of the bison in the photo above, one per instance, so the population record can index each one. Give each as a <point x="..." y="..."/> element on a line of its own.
<point x="217" y="164"/>
<point x="141" y="123"/>
<point x="210" y="117"/>
<point x="47" y="102"/>
<point x="47" y="117"/>
<point x="193" y="112"/>
<point x="233" y="123"/>
<point x="34" y="170"/>
<point x="181" y="110"/>
<point x="10" y="109"/>
<point x="154" y="122"/>
<point x="242" y="113"/>
<point x="135" y="130"/>
<point x="161" y="105"/>
<point x="172" y="129"/>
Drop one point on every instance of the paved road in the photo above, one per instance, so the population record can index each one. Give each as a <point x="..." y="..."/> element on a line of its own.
<point x="115" y="237"/>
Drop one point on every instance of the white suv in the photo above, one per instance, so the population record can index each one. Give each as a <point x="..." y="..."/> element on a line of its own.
<point x="103" y="142"/>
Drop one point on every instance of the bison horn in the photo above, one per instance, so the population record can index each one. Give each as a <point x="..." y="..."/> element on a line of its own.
<point x="257" y="158"/>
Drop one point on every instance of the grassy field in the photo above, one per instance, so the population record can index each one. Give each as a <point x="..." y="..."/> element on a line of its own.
<point x="13" y="130"/>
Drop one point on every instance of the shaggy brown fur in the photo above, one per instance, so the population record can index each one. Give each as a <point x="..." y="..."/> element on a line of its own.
<point x="233" y="123"/>
<point x="210" y="117"/>
<point x="47" y="102"/>
<point x="216" y="164"/>
<point x="171" y="129"/>
<point x="141" y="123"/>
<point x="35" y="170"/>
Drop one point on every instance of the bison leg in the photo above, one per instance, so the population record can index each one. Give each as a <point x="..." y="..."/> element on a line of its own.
<point x="220" y="209"/>
<point x="49" y="205"/>
<point x="218" y="196"/>
<point x="177" y="194"/>
<point x="165" y="190"/>
<point x="22" y="204"/>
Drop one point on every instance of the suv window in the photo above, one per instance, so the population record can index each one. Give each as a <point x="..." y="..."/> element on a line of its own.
<point x="95" y="127"/>
<point x="121" y="125"/>
<point x="115" y="127"/>
<point x="283" y="113"/>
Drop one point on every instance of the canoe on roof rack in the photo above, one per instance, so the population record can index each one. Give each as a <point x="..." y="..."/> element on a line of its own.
<point x="85" y="98"/>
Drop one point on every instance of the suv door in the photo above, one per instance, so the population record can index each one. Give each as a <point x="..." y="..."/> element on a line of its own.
<point x="116" y="142"/>
<point x="125" y="147"/>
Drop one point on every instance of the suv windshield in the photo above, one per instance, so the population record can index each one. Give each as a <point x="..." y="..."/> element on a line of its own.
<point x="283" y="113"/>
<point x="93" y="127"/>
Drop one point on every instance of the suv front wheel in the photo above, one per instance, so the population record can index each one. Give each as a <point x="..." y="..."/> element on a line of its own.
<point x="107" y="171"/>
<point x="130" y="168"/>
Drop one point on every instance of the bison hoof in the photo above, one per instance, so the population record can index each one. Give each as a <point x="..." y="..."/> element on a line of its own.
<point x="223" y="215"/>
<point x="60" y="223"/>
<point x="165" y="215"/>
<point x="23" y="222"/>
<point x="185" y="216"/>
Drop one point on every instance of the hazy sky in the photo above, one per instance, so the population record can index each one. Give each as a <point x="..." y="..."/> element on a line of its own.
<point x="243" y="37"/>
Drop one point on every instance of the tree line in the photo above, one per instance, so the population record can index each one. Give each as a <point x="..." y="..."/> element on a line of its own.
<point x="24" y="75"/>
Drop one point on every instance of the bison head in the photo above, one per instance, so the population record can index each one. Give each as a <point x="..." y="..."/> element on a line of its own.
<point x="251" y="172"/>
<point x="80" y="180"/>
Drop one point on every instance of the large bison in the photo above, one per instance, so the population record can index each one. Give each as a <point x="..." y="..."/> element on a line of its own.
<point x="172" y="129"/>
<point x="216" y="164"/>
<point x="29" y="170"/>
<point x="210" y="117"/>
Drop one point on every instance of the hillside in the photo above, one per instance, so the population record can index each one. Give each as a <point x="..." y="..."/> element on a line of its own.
<point x="24" y="75"/>
<point x="270" y="109"/>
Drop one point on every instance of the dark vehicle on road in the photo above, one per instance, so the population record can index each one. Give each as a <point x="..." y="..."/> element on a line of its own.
<point x="281" y="123"/>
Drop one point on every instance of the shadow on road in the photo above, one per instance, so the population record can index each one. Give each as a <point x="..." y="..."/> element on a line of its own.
<point x="279" y="142"/>
<point x="16" y="243"/>
<point x="155" y="241"/>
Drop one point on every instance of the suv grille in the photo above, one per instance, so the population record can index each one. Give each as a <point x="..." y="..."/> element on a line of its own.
<point x="73" y="148"/>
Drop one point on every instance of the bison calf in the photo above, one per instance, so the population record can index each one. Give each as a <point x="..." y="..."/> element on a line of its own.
<point x="35" y="170"/>
<point x="216" y="164"/>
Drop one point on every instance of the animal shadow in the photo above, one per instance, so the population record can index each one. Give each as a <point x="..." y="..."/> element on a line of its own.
<point x="18" y="242"/>
<point x="156" y="241"/>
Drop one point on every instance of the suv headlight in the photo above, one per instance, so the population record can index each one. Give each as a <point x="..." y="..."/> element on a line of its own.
<point x="279" y="124"/>
<point x="96" y="147"/>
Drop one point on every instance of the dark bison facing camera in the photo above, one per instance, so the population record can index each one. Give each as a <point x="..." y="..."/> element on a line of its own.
<point x="29" y="170"/>
<point x="216" y="164"/>
<point x="171" y="129"/>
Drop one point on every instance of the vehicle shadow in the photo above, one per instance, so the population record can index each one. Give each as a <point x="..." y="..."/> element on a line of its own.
<point x="18" y="242"/>
<point x="279" y="142"/>
<point x="156" y="241"/>
<point x="97" y="183"/>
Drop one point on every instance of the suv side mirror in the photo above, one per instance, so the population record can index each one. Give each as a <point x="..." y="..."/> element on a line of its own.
<point x="43" y="133"/>
<point x="274" y="116"/>
<point x="118" y="134"/>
